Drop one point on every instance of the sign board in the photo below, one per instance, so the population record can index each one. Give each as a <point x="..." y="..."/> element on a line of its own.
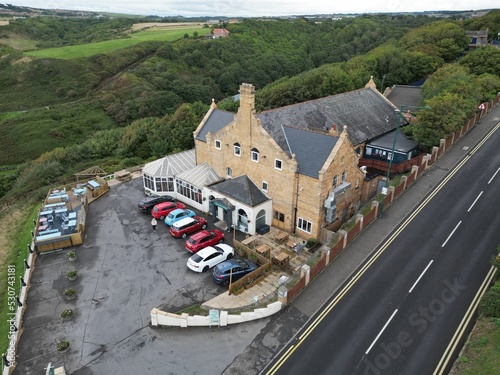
<point x="384" y="190"/>
<point x="482" y="106"/>
<point x="213" y="317"/>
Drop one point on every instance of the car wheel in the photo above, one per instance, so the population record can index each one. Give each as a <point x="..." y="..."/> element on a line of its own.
<point x="184" y="235"/>
<point x="225" y="283"/>
<point x="204" y="226"/>
<point x="205" y="269"/>
<point x="221" y="240"/>
<point x="229" y="256"/>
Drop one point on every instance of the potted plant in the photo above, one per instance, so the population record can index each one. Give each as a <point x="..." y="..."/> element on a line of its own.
<point x="62" y="346"/>
<point x="70" y="293"/>
<point x="71" y="256"/>
<point x="72" y="275"/>
<point x="67" y="314"/>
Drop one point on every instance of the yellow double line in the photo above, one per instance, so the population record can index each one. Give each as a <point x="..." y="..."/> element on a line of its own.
<point x="450" y="349"/>
<point x="374" y="257"/>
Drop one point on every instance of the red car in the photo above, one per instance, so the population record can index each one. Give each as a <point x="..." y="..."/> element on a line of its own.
<point x="161" y="210"/>
<point x="203" y="239"/>
<point x="187" y="226"/>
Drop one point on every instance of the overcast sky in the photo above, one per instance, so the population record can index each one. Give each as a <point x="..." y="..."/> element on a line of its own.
<point x="252" y="8"/>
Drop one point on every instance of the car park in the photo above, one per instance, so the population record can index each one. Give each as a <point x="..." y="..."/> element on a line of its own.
<point x="177" y="215"/>
<point x="233" y="269"/>
<point x="209" y="257"/>
<point x="187" y="226"/>
<point x="147" y="204"/>
<point x="203" y="239"/>
<point x="160" y="211"/>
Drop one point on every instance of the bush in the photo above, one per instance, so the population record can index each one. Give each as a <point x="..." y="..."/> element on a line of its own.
<point x="490" y="303"/>
<point x="67" y="313"/>
<point x="62" y="345"/>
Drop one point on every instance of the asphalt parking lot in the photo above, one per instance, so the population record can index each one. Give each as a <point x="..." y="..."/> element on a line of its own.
<point x="124" y="270"/>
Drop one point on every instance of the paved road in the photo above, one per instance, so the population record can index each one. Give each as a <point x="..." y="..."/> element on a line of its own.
<point x="441" y="255"/>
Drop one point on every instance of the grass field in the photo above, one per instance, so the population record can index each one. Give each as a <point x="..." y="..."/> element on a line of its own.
<point x="86" y="50"/>
<point x="481" y="353"/>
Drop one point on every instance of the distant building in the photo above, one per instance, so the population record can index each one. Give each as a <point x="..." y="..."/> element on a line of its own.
<point x="220" y="33"/>
<point x="477" y="38"/>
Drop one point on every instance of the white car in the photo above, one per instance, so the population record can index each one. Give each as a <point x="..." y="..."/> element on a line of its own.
<point x="210" y="256"/>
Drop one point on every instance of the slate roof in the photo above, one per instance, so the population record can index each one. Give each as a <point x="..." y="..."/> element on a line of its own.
<point x="403" y="144"/>
<point x="172" y="164"/>
<point x="301" y="129"/>
<point x="366" y="113"/>
<point x="311" y="149"/>
<point x="405" y="95"/>
<point x="217" y="120"/>
<point x="242" y="189"/>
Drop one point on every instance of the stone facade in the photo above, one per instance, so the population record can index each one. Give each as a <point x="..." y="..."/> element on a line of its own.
<point x="244" y="147"/>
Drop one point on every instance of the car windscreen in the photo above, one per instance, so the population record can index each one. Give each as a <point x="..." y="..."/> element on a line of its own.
<point x="196" y="258"/>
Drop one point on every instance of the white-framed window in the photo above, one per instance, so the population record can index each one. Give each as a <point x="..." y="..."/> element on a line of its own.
<point x="237" y="149"/>
<point x="217" y="144"/>
<point x="278" y="164"/>
<point x="229" y="172"/>
<point x="304" y="225"/>
<point x="344" y="176"/>
<point x="255" y="155"/>
<point x="264" y="185"/>
<point x="335" y="181"/>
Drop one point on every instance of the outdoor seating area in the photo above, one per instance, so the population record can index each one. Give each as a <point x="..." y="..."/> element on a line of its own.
<point x="283" y="249"/>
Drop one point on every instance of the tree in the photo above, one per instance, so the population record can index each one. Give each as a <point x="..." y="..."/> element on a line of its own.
<point x="482" y="60"/>
<point x="447" y="114"/>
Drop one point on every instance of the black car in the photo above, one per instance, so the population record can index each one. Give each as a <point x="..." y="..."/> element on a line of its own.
<point x="234" y="269"/>
<point x="147" y="204"/>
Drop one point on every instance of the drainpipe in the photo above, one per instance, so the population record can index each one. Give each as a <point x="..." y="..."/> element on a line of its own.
<point x="296" y="204"/>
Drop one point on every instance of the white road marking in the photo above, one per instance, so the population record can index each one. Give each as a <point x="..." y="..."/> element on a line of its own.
<point x="381" y="331"/>
<point x="422" y="274"/>
<point x="492" y="177"/>
<point x="451" y="234"/>
<point x="473" y="203"/>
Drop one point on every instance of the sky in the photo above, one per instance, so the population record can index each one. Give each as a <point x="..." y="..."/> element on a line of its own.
<point x="253" y="8"/>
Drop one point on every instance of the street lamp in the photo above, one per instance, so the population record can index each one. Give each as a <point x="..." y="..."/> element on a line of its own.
<point x="400" y="116"/>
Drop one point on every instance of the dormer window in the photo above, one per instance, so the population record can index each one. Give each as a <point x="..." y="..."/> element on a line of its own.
<point x="217" y="145"/>
<point x="255" y="155"/>
<point x="237" y="149"/>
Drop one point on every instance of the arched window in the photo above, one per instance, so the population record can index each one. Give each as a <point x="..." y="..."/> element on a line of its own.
<point x="344" y="176"/>
<point x="237" y="149"/>
<point x="335" y="181"/>
<point x="255" y="155"/>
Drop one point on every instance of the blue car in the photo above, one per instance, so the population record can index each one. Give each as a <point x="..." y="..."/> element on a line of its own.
<point x="233" y="269"/>
<point x="177" y="215"/>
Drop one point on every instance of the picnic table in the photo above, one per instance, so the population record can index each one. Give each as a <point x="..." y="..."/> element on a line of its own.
<point x="281" y="236"/>
<point x="282" y="259"/>
<point x="249" y="241"/>
<point x="263" y="250"/>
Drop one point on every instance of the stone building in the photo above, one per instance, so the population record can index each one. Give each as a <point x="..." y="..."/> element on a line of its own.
<point x="307" y="179"/>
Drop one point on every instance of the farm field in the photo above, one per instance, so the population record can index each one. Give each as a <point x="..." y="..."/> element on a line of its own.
<point x="167" y="34"/>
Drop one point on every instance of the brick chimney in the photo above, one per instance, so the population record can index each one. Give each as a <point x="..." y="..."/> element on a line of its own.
<point x="247" y="96"/>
